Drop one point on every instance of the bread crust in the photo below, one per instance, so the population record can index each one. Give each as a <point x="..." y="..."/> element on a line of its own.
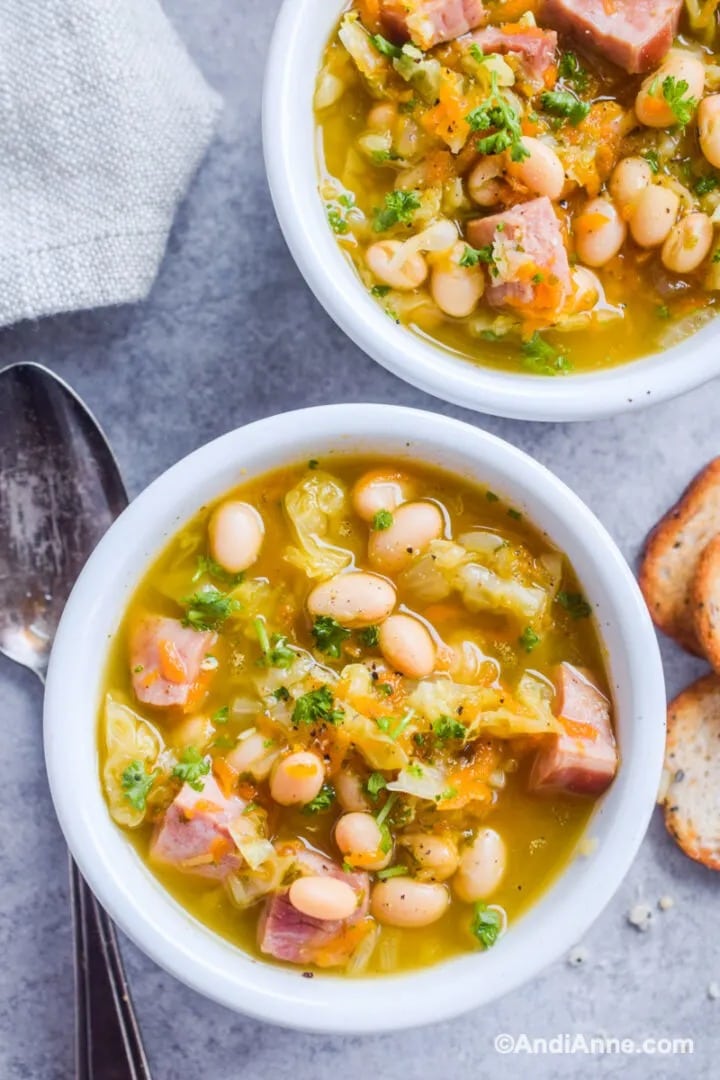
<point x="672" y="553"/>
<point x="692" y="771"/>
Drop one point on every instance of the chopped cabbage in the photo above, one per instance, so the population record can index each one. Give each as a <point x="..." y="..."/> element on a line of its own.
<point x="488" y="711"/>
<point x="378" y="749"/>
<point x="423" y="73"/>
<point x="484" y="590"/>
<point x="423" y="781"/>
<point x="314" y="507"/>
<point x="370" y="62"/>
<point x="248" y="886"/>
<point x="128" y="738"/>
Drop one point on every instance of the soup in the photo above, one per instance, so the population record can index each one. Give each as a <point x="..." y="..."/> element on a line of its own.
<point x="357" y="716"/>
<point x="529" y="185"/>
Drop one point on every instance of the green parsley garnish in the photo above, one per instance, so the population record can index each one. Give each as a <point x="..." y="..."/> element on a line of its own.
<point x="571" y="69"/>
<point x="446" y="727"/>
<point x="385" y="47"/>
<point x="663" y="311"/>
<point x="385" y="724"/>
<point x="472" y="256"/>
<point x="500" y="114"/>
<point x="398" y="210"/>
<point x="136" y="783"/>
<point x="529" y="639"/>
<point x="276" y="652"/>
<point x="386" y="842"/>
<point x="716" y="257"/>
<point x="514" y="514"/>
<point x="370" y="636"/>
<point x="206" y="565"/>
<point x="191" y="767"/>
<point x="653" y="160"/>
<point x="138" y="668"/>
<point x="384" y="688"/>
<point x="221" y="716"/>
<point x="486" y="924"/>
<point x="381" y="521"/>
<point x="674" y="91"/>
<point x="575" y="604"/>
<point x="705" y="184"/>
<point x="336" y="221"/>
<point x="563" y="103"/>
<point x="539" y="356"/>
<point x="380" y="290"/>
<point x="391" y="872"/>
<point x="322" y="801"/>
<point x="313" y="463"/>
<point x="281" y="694"/>
<point x="317" y="706"/>
<point x="476" y="52"/>
<point x="491" y="496"/>
<point x="208" y="610"/>
<point x="329" y="636"/>
<point x="375" y="784"/>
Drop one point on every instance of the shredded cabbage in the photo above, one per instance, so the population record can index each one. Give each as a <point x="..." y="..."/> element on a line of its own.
<point x="247" y="887"/>
<point x="315" y="507"/>
<point x="423" y="73"/>
<point x="489" y="711"/>
<point x="128" y="738"/>
<point x="371" y="64"/>
<point x="423" y="781"/>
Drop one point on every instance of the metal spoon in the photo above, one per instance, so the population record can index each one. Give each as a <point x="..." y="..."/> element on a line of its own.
<point x="60" y="489"/>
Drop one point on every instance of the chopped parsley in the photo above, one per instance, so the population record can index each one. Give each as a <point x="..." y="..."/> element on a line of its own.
<point x="704" y="184"/>
<point x="370" y="636"/>
<point x="191" y="766"/>
<point x="572" y="70"/>
<point x="136" y="783"/>
<point x="382" y="521"/>
<point x="653" y="160"/>
<point x="208" y="610"/>
<point x="446" y="727"/>
<point x="384" y="688"/>
<point x="472" y="256"/>
<point x="491" y="496"/>
<point x="281" y="694"/>
<point x="313" y="463"/>
<point x="391" y="872"/>
<point x="540" y="356"/>
<point x="385" y="723"/>
<point x="575" y="604"/>
<point x="276" y="652"/>
<point x="514" y="514"/>
<point x="486" y="924"/>
<point x="380" y="290"/>
<point x="398" y="210"/>
<point x="476" y="52"/>
<point x="329" y="636"/>
<point x="206" y="565"/>
<point x="529" y="639"/>
<point x="385" y="47"/>
<point x="498" y="113"/>
<point x="317" y="706"/>
<point x="563" y="103"/>
<point x="336" y="221"/>
<point x="221" y="716"/>
<point x="375" y="784"/>
<point x="674" y="92"/>
<point x="322" y="801"/>
<point x="716" y="257"/>
<point x="663" y="311"/>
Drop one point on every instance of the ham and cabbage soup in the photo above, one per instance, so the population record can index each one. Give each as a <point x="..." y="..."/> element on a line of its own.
<point x="532" y="184"/>
<point x="357" y="716"/>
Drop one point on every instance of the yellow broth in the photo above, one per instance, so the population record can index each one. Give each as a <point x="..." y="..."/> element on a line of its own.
<point x="541" y="833"/>
<point x="646" y="308"/>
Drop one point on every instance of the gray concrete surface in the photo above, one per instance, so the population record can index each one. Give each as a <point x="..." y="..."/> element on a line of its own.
<point x="230" y="333"/>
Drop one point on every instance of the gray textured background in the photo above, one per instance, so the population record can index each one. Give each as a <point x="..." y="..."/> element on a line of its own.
<point x="229" y="334"/>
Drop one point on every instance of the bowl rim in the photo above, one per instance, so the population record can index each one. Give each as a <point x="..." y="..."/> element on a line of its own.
<point x="134" y="897"/>
<point x="289" y="143"/>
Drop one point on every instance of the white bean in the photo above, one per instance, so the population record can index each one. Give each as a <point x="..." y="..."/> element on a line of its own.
<point x="414" y="525"/>
<point x="481" y="867"/>
<point x="354" y="599"/>
<point x="484" y="183"/>
<point x="409" y="274"/>
<point x="236" y="533"/>
<point x="629" y="177"/>
<point x="456" y="289"/>
<point x="252" y="755"/>
<point x="687" y="243"/>
<point x="407" y="645"/>
<point x="325" y="898"/>
<point x="653" y="215"/>
<point x="382" y="116"/>
<point x="401" y="901"/>
<point x="651" y="108"/>
<point x="350" y="791"/>
<point x="436" y="856"/>
<point x="541" y="172"/>
<point x="709" y="128"/>
<point x="360" y="839"/>
<point x="194" y="731"/>
<point x="599" y="232"/>
<point x="297" y="778"/>
<point x="380" y="489"/>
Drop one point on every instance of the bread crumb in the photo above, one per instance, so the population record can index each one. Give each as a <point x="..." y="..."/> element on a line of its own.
<point x="713" y="991"/>
<point x="578" y="956"/>
<point x="665" y="903"/>
<point x="640" y="916"/>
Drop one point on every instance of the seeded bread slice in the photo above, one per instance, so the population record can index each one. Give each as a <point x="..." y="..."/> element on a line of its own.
<point x="706" y="602"/>
<point x="671" y="556"/>
<point x="692" y="768"/>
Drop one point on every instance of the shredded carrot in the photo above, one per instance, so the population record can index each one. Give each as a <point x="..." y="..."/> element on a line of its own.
<point x="246" y="790"/>
<point x="219" y="847"/>
<point x="225" y="775"/>
<point x="579" y="730"/>
<point x="172" y="665"/>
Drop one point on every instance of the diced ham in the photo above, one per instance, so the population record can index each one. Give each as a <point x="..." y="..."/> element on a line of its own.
<point x="535" y="48"/>
<point x="584" y="759"/>
<point x="634" y="34"/>
<point x="165" y="660"/>
<point x="530" y="269"/>
<point x="428" y="22"/>
<point x="194" y="835"/>
<point x="287" y="934"/>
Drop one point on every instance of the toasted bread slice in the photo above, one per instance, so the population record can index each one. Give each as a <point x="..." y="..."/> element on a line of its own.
<point x="672" y="552"/>
<point x="706" y="602"/>
<point x="692" y="767"/>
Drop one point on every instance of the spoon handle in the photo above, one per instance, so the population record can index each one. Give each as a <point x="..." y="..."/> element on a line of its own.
<point x="107" y="1037"/>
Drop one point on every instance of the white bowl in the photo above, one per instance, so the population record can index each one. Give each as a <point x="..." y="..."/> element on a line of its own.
<point x="290" y="142"/>
<point x="137" y="901"/>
